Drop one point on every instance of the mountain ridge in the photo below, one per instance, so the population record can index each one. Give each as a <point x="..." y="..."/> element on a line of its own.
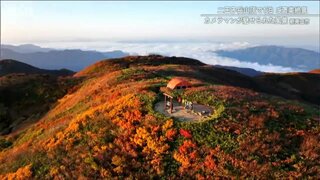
<point x="296" y="58"/>
<point x="25" y="48"/>
<point x="73" y="59"/>
<point x="9" y="66"/>
<point x="224" y="75"/>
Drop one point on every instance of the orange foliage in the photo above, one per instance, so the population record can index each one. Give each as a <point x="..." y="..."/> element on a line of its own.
<point x="187" y="155"/>
<point x="170" y="134"/>
<point x="125" y="111"/>
<point x="111" y="133"/>
<point x="310" y="147"/>
<point x="21" y="174"/>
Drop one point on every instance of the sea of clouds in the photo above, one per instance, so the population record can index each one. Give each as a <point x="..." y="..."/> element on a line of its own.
<point x="197" y="50"/>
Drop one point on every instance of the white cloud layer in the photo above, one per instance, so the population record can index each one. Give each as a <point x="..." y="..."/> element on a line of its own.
<point x="197" y="50"/>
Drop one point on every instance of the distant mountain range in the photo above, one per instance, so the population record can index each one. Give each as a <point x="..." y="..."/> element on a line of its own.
<point x="9" y="66"/>
<point x="246" y="71"/>
<point x="75" y="59"/>
<point x="25" y="48"/>
<point x="296" y="58"/>
<point x="55" y="59"/>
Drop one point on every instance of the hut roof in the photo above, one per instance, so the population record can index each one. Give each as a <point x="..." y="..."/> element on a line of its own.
<point x="175" y="82"/>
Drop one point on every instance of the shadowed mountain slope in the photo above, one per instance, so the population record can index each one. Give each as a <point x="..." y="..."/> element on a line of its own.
<point x="8" y="66"/>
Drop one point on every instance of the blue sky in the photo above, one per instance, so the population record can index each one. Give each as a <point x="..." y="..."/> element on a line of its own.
<point x="61" y="21"/>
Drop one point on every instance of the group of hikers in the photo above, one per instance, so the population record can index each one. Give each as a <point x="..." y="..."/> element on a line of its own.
<point x="187" y="104"/>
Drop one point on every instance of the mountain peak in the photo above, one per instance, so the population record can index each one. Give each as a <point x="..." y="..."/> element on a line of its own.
<point x="131" y="61"/>
<point x="315" y="71"/>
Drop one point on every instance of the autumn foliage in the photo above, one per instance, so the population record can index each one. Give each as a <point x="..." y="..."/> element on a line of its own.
<point x="107" y="129"/>
<point x="185" y="133"/>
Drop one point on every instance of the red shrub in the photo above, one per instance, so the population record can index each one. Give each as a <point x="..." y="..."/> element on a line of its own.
<point x="170" y="134"/>
<point x="185" y="133"/>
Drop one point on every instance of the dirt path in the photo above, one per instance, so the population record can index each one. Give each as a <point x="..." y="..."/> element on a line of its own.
<point x="183" y="114"/>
